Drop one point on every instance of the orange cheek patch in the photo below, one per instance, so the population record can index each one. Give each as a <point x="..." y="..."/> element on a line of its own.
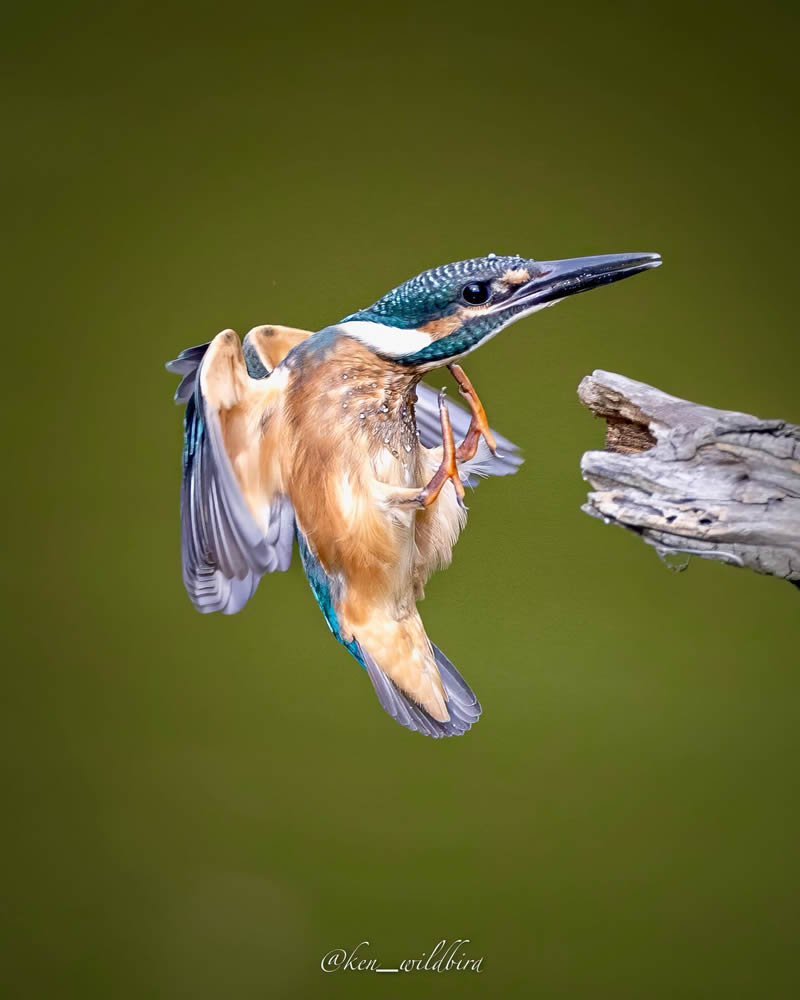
<point x="443" y="327"/>
<point x="439" y="328"/>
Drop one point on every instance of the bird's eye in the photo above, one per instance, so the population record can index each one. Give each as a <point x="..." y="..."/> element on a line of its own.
<point x="476" y="293"/>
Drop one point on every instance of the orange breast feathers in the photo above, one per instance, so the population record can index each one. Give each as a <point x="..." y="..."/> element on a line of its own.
<point x="331" y="484"/>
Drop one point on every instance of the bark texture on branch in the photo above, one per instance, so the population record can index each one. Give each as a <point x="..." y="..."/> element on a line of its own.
<point x="694" y="480"/>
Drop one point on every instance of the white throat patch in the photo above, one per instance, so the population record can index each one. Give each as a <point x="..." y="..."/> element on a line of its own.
<point x="388" y="340"/>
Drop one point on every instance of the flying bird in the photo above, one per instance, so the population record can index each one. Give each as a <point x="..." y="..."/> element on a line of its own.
<point x="331" y="440"/>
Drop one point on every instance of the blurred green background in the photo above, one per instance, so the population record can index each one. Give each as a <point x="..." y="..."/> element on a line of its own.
<point x="204" y="806"/>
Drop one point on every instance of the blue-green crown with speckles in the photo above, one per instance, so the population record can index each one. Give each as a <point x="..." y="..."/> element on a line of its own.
<point x="434" y="293"/>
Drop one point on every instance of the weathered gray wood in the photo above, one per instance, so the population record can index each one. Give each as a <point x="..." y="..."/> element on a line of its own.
<point x="694" y="480"/>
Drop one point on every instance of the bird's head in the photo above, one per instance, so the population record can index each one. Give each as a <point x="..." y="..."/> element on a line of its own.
<point x="447" y="312"/>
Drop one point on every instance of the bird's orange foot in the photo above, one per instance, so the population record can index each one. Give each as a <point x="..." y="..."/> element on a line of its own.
<point x="448" y="468"/>
<point x="479" y="425"/>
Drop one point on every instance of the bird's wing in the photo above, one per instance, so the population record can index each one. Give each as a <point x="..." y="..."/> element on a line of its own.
<point x="505" y="463"/>
<point x="235" y="526"/>
<point x="264" y="348"/>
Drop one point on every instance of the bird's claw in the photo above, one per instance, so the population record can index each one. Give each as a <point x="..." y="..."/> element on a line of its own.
<point x="448" y="469"/>
<point x="479" y="425"/>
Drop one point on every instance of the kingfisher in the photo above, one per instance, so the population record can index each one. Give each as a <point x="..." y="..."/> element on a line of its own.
<point x="330" y="440"/>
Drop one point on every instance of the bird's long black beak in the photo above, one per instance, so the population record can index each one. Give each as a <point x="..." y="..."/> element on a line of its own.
<point x="552" y="280"/>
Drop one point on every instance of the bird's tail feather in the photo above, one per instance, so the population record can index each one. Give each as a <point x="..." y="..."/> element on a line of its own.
<point x="462" y="705"/>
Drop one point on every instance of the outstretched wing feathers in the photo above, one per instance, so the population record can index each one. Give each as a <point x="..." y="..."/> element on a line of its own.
<point x="226" y="548"/>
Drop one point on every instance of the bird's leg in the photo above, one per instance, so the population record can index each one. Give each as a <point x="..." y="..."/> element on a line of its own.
<point x="448" y="469"/>
<point x="479" y="425"/>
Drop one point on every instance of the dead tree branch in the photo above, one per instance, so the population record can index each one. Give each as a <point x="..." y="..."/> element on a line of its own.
<point x="694" y="480"/>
